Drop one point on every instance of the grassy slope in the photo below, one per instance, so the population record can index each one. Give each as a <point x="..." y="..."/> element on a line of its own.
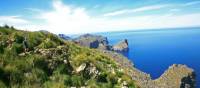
<point x="48" y="70"/>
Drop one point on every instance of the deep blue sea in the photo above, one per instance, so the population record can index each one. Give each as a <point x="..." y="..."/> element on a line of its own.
<point x="154" y="51"/>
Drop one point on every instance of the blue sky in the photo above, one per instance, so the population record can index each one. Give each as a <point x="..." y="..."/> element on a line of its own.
<point x="85" y="16"/>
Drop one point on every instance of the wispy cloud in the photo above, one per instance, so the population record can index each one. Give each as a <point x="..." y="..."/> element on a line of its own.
<point x="140" y="9"/>
<point x="174" y="10"/>
<point x="33" y="9"/>
<point x="192" y="3"/>
<point x="20" y="23"/>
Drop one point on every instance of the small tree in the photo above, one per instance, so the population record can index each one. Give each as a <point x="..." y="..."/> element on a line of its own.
<point x="12" y="27"/>
<point x="6" y="26"/>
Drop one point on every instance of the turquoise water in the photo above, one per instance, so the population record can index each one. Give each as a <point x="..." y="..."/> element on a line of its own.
<point x="154" y="51"/>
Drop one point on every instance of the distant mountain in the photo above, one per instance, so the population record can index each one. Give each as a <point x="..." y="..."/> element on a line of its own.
<point x="64" y="36"/>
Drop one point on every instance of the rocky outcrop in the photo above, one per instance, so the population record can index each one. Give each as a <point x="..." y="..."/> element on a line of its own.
<point x="89" y="69"/>
<point x="100" y="42"/>
<point x="122" y="60"/>
<point x="122" y="46"/>
<point x="92" y="41"/>
<point x="177" y="76"/>
<point x="124" y="84"/>
<point x="81" y="67"/>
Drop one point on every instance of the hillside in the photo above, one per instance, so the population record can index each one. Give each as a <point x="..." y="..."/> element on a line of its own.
<point x="42" y="60"/>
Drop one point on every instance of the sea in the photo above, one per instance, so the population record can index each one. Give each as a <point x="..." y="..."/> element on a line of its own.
<point x="153" y="51"/>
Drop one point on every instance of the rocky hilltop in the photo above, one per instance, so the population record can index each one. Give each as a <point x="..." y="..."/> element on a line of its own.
<point x="43" y="60"/>
<point x="93" y="41"/>
<point x="100" y="42"/>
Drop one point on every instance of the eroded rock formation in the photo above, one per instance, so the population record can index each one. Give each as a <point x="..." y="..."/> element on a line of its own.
<point x="92" y="41"/>
<point x="122" y="46"/>
<point x="100" y="42"/>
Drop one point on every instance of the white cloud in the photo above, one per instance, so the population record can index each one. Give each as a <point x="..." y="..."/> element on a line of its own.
<point x="13" y="20"/>
<point x="64" y="18"/>
<point x="20" y="23"/>
<point x="68" y="20"/>
<point x="73" y="20"/>
<point x="141" y="9"/>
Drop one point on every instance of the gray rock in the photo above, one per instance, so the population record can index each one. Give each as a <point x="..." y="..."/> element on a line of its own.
<point x="100" y="42"/>
<point x="177" y="76"/>
<point x="124" y="84"/>
<point x="122" y="46"/>
<point x="92" y="41"/>
<point x="81" y="68"/>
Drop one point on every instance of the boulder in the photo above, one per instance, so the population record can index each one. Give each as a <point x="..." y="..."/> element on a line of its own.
<point x="122" y="46"/>
<point x="81" y="68"/>
<point x="124" y="84"/>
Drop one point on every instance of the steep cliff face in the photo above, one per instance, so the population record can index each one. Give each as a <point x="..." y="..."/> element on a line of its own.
<point x="122" y="46"/>
<point x="100" y="42"/>
<point x="177" y="76"/>
<point x="92" y="41"/>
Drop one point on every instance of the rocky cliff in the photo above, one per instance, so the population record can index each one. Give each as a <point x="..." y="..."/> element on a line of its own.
<point x="177" y="76"/>
<point x="100" y="42"/>
<point x="93" y="41"/>
<point x="122" y="46"/>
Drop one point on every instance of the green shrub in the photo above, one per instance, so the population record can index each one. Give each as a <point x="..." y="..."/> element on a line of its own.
<point x="77" y="80"/>
<point x="16" y="48"/>
<point x="2" y="85"/>
<point x="102" y="78"/>
<point x="18" y="37"/>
